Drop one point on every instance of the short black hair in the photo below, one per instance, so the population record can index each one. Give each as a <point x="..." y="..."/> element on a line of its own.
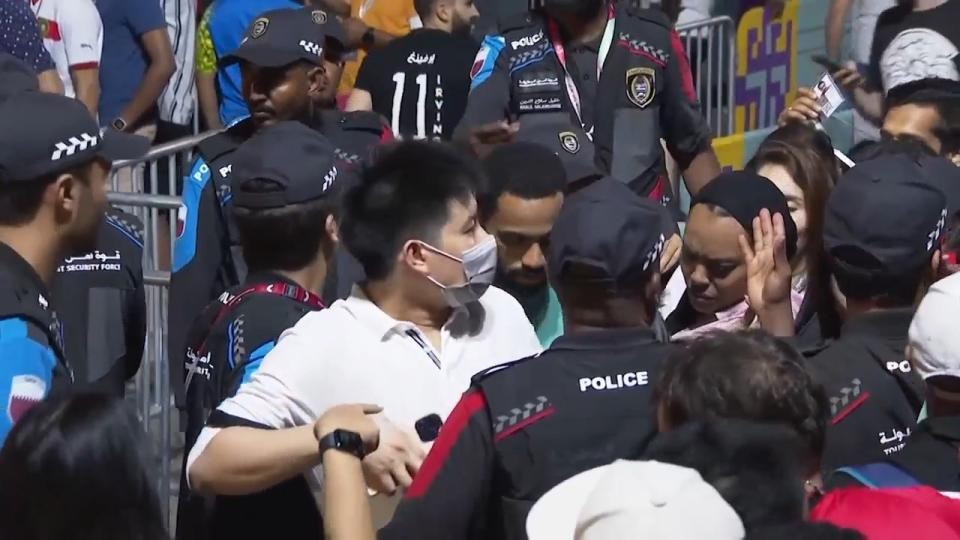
<point x="805" y="531"/>
<point x="424" y="8"/>
<point x="20" y="201"/>
<point x="748" y="375"/>
<point x="405" y="194"/>
<point x="286" y="238"/>
<point x="524" y="169"/>
<point x="941" y="94"/>
<point x="757" y="468"/>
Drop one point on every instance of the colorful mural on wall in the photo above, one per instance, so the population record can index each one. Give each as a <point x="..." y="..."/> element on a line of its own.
<point x="766" y="61"/>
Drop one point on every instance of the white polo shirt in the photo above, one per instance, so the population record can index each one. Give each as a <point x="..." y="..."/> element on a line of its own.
<point x="353" y="352"/>
<point x="72" y="34"/>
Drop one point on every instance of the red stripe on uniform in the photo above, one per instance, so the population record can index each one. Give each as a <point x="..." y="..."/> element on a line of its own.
<point x="49" y="29"/>
<point x="85" y="65"/>
<point x="524" y="423"/>
<point x="845" y="412"/>
<point x="686" y="77"/>
<point x="470" y="403"/>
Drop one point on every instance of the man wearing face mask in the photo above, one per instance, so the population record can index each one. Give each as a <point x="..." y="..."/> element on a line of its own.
<point x="610" y="80"/>
<point x="586" y="401"/>
<point x="409" y="338"/>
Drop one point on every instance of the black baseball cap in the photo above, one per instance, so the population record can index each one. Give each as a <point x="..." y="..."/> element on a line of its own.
<point x="282" y="36"/>
<point x="883" y="219"/>
<point x="15" y="76"/>
<point x="608" y="228"/>
<point x="49" y="133"/>
<point x="301" y="161"/>
<point x="942" y="173"/>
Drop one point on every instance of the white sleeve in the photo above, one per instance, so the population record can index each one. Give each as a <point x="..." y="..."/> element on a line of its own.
<point x="274" y="396"/>
<point x="81" y="31"/>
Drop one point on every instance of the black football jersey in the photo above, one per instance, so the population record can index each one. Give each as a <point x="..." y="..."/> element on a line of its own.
<point x="420" y="82"/>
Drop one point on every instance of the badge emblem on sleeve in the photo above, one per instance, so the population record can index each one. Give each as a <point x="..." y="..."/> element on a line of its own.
<point x="641" y="86"/>
<point x="259" y="27"/>
<point x="319" y="16"/>
<point x="570" y="142"/>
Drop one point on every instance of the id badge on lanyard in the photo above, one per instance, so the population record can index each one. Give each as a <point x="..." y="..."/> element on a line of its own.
<point x="572" y="91"/>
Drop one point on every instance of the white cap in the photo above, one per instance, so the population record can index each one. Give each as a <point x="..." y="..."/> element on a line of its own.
<point x="634" y="499"/>
<point x="935" y="332"/>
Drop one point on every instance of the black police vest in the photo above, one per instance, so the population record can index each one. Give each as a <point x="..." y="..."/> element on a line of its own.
<point x="626" y="130"/>
<point x="100" y="301"/>
<point x="562" y="413"/>
<point x="227" y="324"/>
<point x="25" y="304"/>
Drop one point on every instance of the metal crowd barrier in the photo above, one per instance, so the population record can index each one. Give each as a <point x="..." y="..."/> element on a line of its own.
<point x="148" y="188"/>
<point x="711" y="46"/>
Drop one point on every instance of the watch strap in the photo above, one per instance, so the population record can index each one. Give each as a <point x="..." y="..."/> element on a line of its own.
<point x="344" y="441"/>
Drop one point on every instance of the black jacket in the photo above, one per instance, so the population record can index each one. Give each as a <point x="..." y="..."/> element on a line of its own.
<point x="527" y="426"/>
<point x="207" y="256"/>
<point x="225" y="347"/>
<point x="645" y="93"/>
<point x="101" y="302"/>
<point x="872" y="390"/>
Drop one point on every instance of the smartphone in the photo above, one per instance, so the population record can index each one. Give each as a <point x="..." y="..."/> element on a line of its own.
<point x="827" y="63"/>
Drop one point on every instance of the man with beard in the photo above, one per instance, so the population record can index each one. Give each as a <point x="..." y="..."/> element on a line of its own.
<point x="421" y="81"/>
<point x="543" y="70"/>
<point x="290" y="62"/>
<point x="519" y="206"/>
<point x="54" y="165"/>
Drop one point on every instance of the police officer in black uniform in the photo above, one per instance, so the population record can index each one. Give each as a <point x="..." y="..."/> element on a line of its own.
<point x="286" y="184"/>
<point x="290" y="62"/>
<point x="525" y="427"/>
<point x="882" y="228"/>
<point x="609" y="79"/>
<point x="53" y="170"/>
<point x="102" y="306"/>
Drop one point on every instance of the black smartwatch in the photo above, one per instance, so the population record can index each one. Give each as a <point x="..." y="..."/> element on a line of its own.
<point x="344" y="441"/>
<point x="368" y="39"/>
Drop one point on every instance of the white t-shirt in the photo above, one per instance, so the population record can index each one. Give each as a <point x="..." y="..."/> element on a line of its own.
<point x="353" y="352"/>
<point x="72" y="33"/>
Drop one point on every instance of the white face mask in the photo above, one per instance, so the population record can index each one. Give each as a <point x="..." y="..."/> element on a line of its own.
<point x="479" y="268"/>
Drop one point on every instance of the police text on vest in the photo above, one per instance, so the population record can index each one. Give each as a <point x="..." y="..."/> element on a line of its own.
<point x="613" y="382"/>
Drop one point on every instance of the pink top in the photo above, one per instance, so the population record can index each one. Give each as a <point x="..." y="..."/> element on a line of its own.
<point x="737" y="317"/>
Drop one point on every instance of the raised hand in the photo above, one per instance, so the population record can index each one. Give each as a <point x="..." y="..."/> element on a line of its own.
<point x="768" y="270"/>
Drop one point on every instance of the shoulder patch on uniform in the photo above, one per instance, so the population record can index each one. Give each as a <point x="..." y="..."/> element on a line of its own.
<point x="128" y="225"/>
<point x="506" y="423"/>
<point x="653" y="15"/>
<point x="486" y="60"/>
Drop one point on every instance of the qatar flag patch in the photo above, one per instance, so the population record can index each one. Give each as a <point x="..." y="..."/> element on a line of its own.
<point x="25" y="392"/>
<point x="485" y="60"/>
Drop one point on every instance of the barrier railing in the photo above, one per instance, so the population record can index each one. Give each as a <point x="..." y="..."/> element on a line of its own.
<point x="147" y="188"/>
<point x="710" y="46"/>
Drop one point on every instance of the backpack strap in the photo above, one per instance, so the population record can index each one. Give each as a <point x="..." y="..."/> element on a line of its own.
<point x="879" y="475"/>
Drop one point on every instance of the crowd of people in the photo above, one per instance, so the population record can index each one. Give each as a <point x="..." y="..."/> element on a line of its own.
<point x="425" y="286"/>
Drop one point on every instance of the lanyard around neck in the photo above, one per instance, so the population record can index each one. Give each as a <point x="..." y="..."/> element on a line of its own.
<point x="553" y="29"/>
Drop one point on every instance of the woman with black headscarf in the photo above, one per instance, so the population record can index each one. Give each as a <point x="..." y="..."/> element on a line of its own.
<point x="736" y="247"/>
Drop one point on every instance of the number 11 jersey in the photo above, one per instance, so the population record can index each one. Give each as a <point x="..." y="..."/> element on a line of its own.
<point x="420" y="82"/>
